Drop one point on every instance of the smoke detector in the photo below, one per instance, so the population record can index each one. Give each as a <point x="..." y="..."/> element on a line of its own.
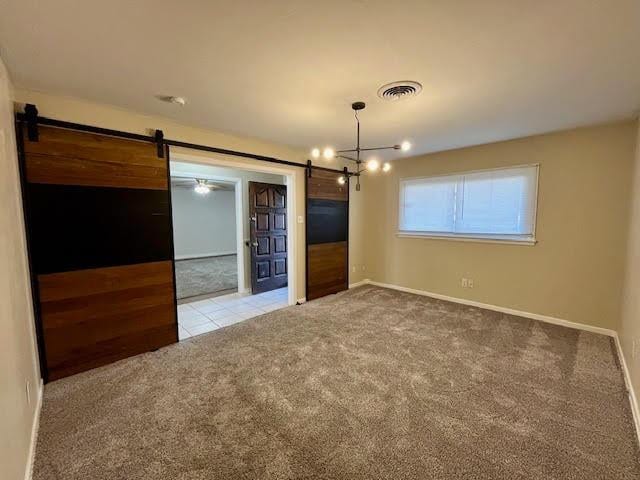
<point x="171" y="99"/>
<point x="399" y="90"/>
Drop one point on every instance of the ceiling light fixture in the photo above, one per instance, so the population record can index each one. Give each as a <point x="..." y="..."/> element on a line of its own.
<point x="201" y="187"/>
<point x="372" y="165"/>
<point x="328" y="153"/>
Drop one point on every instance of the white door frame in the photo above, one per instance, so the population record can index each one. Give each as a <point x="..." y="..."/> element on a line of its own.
<point x="231" y="162"/>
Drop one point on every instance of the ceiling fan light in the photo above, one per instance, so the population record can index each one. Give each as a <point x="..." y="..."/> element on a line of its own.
<point x="373" y="165"/>
<point x="201" y="187"/>
<point x="386" y="166"/>
<point x="315" y="153"/>
<point x="329" y="153"/>
<point x="405" y="146"/>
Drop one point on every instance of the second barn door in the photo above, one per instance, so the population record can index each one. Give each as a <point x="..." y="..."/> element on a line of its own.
<point x="327" y="233"/>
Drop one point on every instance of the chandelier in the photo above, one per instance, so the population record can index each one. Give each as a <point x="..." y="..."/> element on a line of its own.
<point x="372" y="164"/>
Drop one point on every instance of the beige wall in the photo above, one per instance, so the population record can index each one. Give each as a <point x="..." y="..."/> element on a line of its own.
<point x="18" y="357"/>
<point x="81" y="111"/>
<point x="574" y="272"/>
<point x="630" y="328"/>
<point x="357" y="232"/>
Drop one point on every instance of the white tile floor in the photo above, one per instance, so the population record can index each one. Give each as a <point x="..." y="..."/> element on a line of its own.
<point x="204" y="316"/>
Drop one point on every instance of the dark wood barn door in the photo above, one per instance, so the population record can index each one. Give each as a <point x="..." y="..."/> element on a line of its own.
<point x="327" y="233"/>
<point x="268" y="242"/>
<point x="101" y="247"/>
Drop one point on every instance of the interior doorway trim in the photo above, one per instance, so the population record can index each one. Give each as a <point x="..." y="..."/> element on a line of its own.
<point x="237" y="187"/>
<point x="289" y="172"/>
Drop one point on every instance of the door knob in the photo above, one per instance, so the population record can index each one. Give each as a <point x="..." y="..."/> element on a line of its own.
<point x="255" y="244"/>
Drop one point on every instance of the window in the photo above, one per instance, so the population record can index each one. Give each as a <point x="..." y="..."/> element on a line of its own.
<point x="495" y="204"/>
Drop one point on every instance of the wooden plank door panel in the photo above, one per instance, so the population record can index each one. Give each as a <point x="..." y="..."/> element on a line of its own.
<point x="268" y="232"/>
<point x="90" y="159"/>
<point x="327" y="234"/>
<point x="327" y="273"/>
<point x="97" y="316"/>
<point x="100" y="238"/>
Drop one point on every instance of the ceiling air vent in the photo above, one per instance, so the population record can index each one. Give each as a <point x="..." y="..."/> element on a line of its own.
<point x="399" y="90"/>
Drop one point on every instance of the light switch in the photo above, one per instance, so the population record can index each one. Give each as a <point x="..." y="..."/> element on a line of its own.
<point x="300" y="219"/>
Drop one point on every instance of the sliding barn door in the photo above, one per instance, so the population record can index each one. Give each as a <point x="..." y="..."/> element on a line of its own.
<point x="327" y="233"/>
<point x="101" y="247"/>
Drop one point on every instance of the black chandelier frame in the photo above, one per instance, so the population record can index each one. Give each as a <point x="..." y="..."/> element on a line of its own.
<point x="348" y="154"/>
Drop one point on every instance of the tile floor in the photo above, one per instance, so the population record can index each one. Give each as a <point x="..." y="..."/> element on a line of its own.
<point x="202" y="316"/>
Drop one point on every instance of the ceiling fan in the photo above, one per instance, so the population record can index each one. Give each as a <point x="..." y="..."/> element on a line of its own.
<point x="200" y="185"/>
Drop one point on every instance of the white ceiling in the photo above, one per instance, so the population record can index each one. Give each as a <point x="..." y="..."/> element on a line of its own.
<point x="288" y="70"/>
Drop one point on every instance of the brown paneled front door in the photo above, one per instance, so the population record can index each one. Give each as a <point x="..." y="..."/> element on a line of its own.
<point x="268" y="243"/>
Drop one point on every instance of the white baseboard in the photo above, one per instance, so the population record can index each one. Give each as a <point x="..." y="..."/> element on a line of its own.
<point x="204" y="255"/>
<point x="35" y="425"/>
<point x="633" y="400"/>
<point x="360" y="283"/>
<point x="496" y="308"/>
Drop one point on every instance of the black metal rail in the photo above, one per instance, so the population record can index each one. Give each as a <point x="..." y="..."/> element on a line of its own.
<point x="32" y="119"/>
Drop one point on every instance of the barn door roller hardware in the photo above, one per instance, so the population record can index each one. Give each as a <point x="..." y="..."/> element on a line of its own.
<point x="31" y="114"/>
<point x="159" y="136"/>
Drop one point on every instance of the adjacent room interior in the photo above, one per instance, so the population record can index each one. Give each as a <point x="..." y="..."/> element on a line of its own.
<point x="320" y="240"/>
<point x="230" y="249"/>
<point x="204" y="235"/>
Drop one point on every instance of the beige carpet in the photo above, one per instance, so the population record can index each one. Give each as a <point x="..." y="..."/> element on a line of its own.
<point x="368" y="384"/>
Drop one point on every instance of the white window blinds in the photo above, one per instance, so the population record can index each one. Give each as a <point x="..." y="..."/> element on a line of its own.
<point x="497" y="203"/>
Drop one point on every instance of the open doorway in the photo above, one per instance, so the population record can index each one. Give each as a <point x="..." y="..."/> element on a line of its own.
<point x="204" y="225"/>
<point x="231" y="246"/>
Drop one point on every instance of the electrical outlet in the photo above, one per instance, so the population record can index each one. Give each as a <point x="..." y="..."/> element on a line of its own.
<point x="470" y="282"/>
<point x="28" y="392"/>
<point x="464" y="283"/>
<point x="300" y="219"/>
<point x="353" y="269"/>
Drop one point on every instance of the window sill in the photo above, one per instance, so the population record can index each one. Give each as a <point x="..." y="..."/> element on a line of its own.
<point x="503" y="239"/>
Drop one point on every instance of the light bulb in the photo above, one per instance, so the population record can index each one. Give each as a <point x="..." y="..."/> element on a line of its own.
<point x="386" y="166"/>
<point x="341" y="180"/>
<point x="328" y="153"/>
<point x="373" y="165"/>
<point x="201" y="187"/>
<point x="405" y="146"/>
<point x="315" y="153"/>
